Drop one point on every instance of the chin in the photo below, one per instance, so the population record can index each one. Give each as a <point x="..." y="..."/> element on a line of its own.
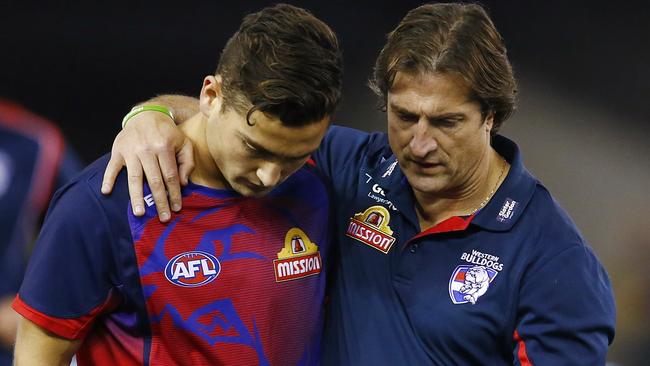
<point x="248" y="192"/>
<point x="428" y="184"/>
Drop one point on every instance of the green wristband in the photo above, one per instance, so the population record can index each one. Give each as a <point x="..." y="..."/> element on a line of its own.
<point x="142" y="108"/>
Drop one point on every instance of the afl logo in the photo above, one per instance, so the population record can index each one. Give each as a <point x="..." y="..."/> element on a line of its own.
<point x="192" y="269"/>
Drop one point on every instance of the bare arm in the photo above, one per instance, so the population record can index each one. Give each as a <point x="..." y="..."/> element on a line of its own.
<point x="182" y="106"/>
<point x="150" y="145"/>
<point x="8" y="322"/>
<point x="36" y="346"/>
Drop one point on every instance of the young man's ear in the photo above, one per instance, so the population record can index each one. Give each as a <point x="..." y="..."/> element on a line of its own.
<point x="211" y="96"/>
<point x="489" y="121"/>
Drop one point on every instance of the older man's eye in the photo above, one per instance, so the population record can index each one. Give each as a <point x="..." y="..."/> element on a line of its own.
<point x="407" y="117"/>
<point x="447" y="122"/>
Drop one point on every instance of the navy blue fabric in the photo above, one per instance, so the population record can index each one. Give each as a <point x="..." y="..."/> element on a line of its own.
<point x="74" y="248"/>
<point x="404" y="307"/>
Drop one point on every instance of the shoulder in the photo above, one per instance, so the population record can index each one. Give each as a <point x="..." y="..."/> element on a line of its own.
<point x="82" y="196"/>
<point x="557" y="231"/>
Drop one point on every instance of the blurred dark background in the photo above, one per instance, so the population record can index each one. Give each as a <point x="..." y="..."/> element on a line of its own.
<point x="584" y="89"/>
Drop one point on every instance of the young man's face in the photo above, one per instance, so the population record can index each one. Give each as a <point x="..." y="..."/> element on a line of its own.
<point x="439" y="135"/>
<point x="254" y="159"/>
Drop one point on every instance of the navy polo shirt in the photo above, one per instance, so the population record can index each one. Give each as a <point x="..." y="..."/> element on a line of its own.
<point x="514" y="283"/>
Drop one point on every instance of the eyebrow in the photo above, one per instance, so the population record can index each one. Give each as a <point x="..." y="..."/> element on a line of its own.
<point x="263" y="151"/>
<point x="406" y="112"/>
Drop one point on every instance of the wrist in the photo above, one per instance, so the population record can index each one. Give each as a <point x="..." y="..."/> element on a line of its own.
<point x="143" y="108"/>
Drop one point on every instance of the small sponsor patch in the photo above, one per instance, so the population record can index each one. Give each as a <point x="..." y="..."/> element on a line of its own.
<point x="371" y="228"/>
<point x="468" y="283"/>
<point x="507" y="211"/>
<point x="298" y="258"/>
<point x="192" y="269"/>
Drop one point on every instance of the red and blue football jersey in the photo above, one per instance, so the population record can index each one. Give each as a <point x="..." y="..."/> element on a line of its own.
<point x="229" y="280"/>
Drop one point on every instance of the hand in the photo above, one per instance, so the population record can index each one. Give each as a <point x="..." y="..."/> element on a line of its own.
<point x="151" y="143"/>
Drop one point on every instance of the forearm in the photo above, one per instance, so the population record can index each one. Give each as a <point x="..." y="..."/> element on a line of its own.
<point x="8" y="322"/>
<point x="35" y="346"/>
<point x="182" y="107"/>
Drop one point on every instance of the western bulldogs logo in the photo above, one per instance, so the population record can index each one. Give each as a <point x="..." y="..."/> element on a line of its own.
<point x="468" y="283"/>
<point x="192" y="269"/>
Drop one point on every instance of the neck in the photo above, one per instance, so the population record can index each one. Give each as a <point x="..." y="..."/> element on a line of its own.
<point x="434" y="208"/>
<point x="206" y="171"/>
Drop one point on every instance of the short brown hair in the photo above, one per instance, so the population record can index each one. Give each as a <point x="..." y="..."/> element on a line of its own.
<point x="285" y="62"/>
<point x="458" y="38"/>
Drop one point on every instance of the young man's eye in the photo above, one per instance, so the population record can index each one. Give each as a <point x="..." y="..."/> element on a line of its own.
<point x="249" y="147"/>
<point x="251" y="150"/>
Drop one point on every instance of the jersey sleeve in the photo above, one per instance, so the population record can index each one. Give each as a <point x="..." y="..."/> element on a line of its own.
<point x="69" y="280"/>
<point x="566" y="313"/>
<point x="344" y="151"/>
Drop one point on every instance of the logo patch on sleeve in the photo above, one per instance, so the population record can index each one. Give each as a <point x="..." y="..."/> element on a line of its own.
<point x="371" y="228"/>
<point x="298" y="258"/>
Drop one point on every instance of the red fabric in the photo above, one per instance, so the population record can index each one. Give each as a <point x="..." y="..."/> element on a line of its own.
<point x="521" y="354"/>
<point x="455" y="223"/>
<point x="109" y="344"/>
<point x="67" y="328"/>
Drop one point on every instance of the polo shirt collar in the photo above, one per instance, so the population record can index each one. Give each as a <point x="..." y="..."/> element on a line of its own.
<point x="514" y="194"/>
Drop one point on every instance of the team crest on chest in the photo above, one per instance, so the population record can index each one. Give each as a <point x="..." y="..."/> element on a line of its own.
<point x="298" y="258"/>
<point x="371" y="228"/>
<point x="469" y="282"/>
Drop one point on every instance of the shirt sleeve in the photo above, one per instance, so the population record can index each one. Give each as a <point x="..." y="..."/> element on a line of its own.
<point x="566" y="313"/>
<point x="69" y="280"/>
<point x="344" y="151"/>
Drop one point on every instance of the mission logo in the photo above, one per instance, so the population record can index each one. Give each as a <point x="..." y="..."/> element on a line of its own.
<point x="371" y="228"/>
<point x="298" y="258"/>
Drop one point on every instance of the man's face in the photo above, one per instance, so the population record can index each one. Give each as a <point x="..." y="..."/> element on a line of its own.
<point x="438" y="134"/>
<point x="255" y="159"/>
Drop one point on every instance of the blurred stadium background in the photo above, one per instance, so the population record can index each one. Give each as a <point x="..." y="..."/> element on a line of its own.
<point x="581" y="122"/>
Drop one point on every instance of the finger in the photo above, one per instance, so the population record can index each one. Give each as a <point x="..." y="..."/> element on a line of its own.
<point x="167" y="160"/>
<point x="156" y="184"/>
<point x="185" y="161"/>
<point x="115" y="165"/>
<point x="134" y="177"/>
